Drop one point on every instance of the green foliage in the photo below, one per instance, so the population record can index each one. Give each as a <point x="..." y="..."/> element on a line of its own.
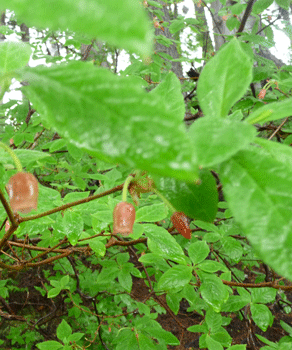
<point x="82" y="129"/>
<point x="13" y="56"/>
<point x="231" y="82"/>
<point x="125" y="110"/>
<point x="197" y="200"/>
<point x="92" y="19"/>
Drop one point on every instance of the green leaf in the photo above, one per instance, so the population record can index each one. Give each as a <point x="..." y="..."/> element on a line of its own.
<point x="258" y="192"/>
<point x="237" y="347"/>
<point x="75" y="336"/>
<point x="13" y="55"/>
<point x="126" y="338"/>
<point x="161" y="242"/>
<point x="214" y="320"/>
<point x="47" y="198"/>
<point x="263" y="295"/>
<point x="151" y="213"/>
<point x="277" y="150"/>
<point x="173" y="301"/>
<point x="52" y="293"/>
<point x="213" y="344"/>
<point x="197" y="201"/>
<point x="155" y="4"/>
<point x="222" y="337"/>
<point x="235" y="303"/>
<point x="145" y="343"/>
<point x="236" y="9"/>
<point x="110" y="116"/>
<point x="261" y="5"/>
<point x="97" y="246"/>
<point x="198" y="328"/>
<point x="27" y="157"/>
<point x="56" y="145"/>
<point x="92" y="18"/>
<point x="49" y="345"/>
<point x="266" y="341"/>
<point x="176" y="25"/>
<point x="284" y="4"/>
<point x="165" y="336"/>
<point x="152" y="259"/>
<point x="232" y="248"/>
<point x="271" y="111"/>
<point x="216" y="140"/>
<point x="162" y="335"/>
<point x="170" y="89"/>
<point x="286" y="327"/>
<point x="221" y="83"/>
<point x="64" y="281"/>
<point x="108" y="274"/>
<point x="125" y="280"/>
<point x="64" y="330"/>
<point x="214" y="292"/>
<point x="232" y="22"/>
<point x="154" y="330"/>
<point x="262" y="316"/>
<point x="198" y="251"/>
<point x="72" y="226"/>
<point x="175" y="278"/>
<point x="211" y="266"/>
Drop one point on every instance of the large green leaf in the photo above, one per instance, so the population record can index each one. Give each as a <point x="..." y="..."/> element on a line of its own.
<point x="271" y="111"/>
<point x="198" y="201"/>
<point x="113" y="117"/>
<point x="175" y="278"/>
<point x="121" y="23"/>
<point x="72" y="226"/>
<point x="151" y="213"/>
<point x="198" y="251"/>
<point x="261" y="5"/>
<point x="263" y="295"/>
<point x="50" y="345"/>
<point x="284" y="4"/>
<point x="64" y="330"/>
<point x="231" y="248"/>
<point x="161" y="243"/>
<point x="214" y="292"/>
<point x="262" y="316"/>
<point x="13" y="55"/>
<point x="277" y="150"/>
<point x="234" y="303"/>
<point x="214" y="320"/>
<point x="215" y="140"/>
<point x="257" y="187"/>
<point x="213" y="344"/>
<point x="224" y="80"/>
<point x="26" y="157"/>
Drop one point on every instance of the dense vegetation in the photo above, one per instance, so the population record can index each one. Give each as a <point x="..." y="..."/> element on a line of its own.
<point x="160" y="196"/>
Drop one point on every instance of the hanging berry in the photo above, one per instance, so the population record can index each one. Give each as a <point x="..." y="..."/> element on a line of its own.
<point x="180" y="222"/>
<point x="22" y="190"/>
<point x="124" y="217"/>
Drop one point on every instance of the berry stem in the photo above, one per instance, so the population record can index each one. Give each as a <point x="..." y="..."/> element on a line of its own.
<point x="165" y="201"/>
<point x="13" y="156"/>
<point x="125" y="188"/>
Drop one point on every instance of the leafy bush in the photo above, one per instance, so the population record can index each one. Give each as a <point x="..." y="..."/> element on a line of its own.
<point x="92" y="134"/>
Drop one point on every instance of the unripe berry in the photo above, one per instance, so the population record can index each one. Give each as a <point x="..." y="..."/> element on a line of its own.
<point x="22" y="190"/>
<point x="262" y="93"/>
<point x="180" y="222"/>
<point x="124" y="218"/>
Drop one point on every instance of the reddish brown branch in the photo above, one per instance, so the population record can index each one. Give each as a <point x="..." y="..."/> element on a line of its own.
<point x="257" y="285"/>
<point x="72" y="204"/>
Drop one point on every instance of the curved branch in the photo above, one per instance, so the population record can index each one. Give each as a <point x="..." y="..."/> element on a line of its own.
<point x="246" y="14"/>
